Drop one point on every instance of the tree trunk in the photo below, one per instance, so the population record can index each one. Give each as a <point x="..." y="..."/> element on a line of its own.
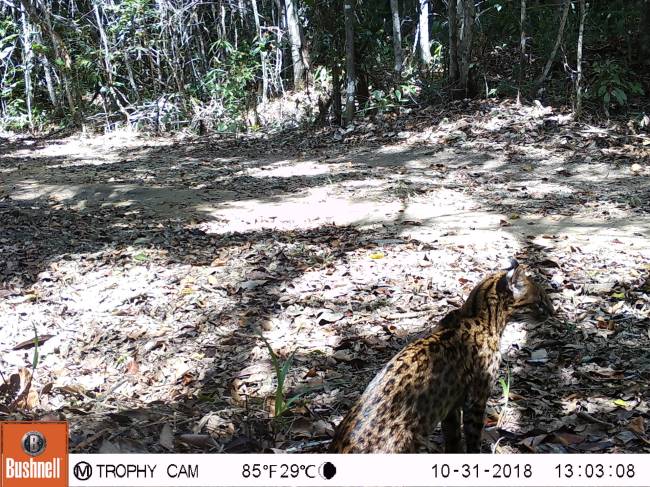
<point x="558" y="41"/>
<point x="425" y="48"/>
<point x="108" y="68"/>
<point x="49" y="81"/>
<point x="351" y="83"/>
<point x="293" y="25"/>
<point x="465" y="43"/>
<point x="28" y="56"/>
<point x="265" y="70"/>
<point x="280" y="52"/>
<point x="581" y="30"/>
<point x="522" y="49"/>
<point x="336" y="92"/>
<point x="304" y="54"/>
<point x="397" y="36"/>
<point x="452" y="17"/>
<point x="129" y="70"/>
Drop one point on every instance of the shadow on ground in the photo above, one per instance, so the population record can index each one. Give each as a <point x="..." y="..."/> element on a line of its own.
<point x="155" y="264"/>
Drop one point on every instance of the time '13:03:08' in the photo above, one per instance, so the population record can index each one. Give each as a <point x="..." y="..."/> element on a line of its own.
<point x="595" y="470"/>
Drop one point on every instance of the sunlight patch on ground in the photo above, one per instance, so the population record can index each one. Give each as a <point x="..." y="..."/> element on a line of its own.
<point x="317" y="208"/>
<point x="591" y="234"/>
<point x="288" y="168"/>
<point x="107" y="291"/>
<point x="494" y="164"/>
<point x="541" y="189"/>
<point x="80" y="150"/>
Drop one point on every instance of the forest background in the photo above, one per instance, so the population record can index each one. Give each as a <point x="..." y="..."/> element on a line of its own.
<point x="219" y="65"/>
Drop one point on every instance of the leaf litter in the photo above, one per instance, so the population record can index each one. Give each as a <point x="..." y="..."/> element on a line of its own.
<point x="139" y="273"/>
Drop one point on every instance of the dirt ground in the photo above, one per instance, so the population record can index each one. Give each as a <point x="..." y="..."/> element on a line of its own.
<point x="148" y="265"/>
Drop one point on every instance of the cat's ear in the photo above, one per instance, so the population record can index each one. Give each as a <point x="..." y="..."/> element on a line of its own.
<point x="517" y="281"/>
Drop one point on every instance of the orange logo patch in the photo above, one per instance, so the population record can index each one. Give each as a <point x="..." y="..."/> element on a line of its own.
<point x="34" y="453"/>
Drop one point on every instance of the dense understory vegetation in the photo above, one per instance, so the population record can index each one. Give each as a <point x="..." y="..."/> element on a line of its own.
<point x="223" y="65"/>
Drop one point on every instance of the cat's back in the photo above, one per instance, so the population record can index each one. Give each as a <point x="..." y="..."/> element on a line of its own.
<point x="404" y="399"/>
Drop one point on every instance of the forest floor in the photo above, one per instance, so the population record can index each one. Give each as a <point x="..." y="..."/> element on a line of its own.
<point x="147" y="266"/>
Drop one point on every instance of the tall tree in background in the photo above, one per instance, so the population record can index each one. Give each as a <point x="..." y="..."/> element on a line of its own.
<point x="461" y="15"/>
<point x="522" y="48"/>
<point x="466" y="38"/>
<point x="28" y="55"/>
<point x="581" y="30"/>
<point x="558" y="40"/>
<point x="397" y="36"/>
<point x="329" y="49"/>
<point x="452" y="20"/>
<point x="425" y="48"/>
<point x="263" y="53"/>
<point x="350" y="72"/>
<point x="295" y="37"/>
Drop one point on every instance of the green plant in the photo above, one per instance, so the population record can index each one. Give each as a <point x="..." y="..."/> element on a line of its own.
<point x="383" y="102"/>
<point x="36" y="356"/>
<point x="505" y="389"/>
<point x="281" y="367"/>
<point x="611" y="85"/>
<point x="229" y="79"/>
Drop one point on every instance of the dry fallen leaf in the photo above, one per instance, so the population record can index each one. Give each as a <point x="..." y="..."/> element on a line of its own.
<point x="166" y="438"/>
<point x="29" y="343"/>
<point x="637" y="425"/>
<point x="343" y="355"/>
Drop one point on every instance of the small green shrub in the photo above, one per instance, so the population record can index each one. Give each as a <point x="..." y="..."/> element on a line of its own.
<point x="612" y="84"/>
<point x="282" y="404"/>
<point x="399" y="96"/>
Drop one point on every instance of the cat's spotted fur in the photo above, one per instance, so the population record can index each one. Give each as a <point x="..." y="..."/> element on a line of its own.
<point x="436" y="378"/>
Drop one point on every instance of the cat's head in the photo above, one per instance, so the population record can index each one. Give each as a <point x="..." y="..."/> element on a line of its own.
<point x="528" y="293"/>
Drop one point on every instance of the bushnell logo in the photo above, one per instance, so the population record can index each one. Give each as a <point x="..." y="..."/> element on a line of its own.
<point x="34" y="453"/>
<point x="34" y="443"/>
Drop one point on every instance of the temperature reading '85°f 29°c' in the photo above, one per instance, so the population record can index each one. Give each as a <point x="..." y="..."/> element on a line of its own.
<point x="281" y="470"/>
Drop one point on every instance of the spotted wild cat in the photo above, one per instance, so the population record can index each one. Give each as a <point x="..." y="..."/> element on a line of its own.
<point x="434" y="378"/>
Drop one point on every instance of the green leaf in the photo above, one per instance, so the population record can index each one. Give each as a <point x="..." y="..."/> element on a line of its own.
<point x="8" y="39"/>
<point x="620" y="402"/>
<point x="618" y="295"/>
<point x="281" y="372"/>
<point x="505" y="387"/>
<point x="141" y="257"/>
<point x="636" y="88"/>
<point x="39" y="48"/>
<point x="620" y="96"/>
<point x="36" y="352"/>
